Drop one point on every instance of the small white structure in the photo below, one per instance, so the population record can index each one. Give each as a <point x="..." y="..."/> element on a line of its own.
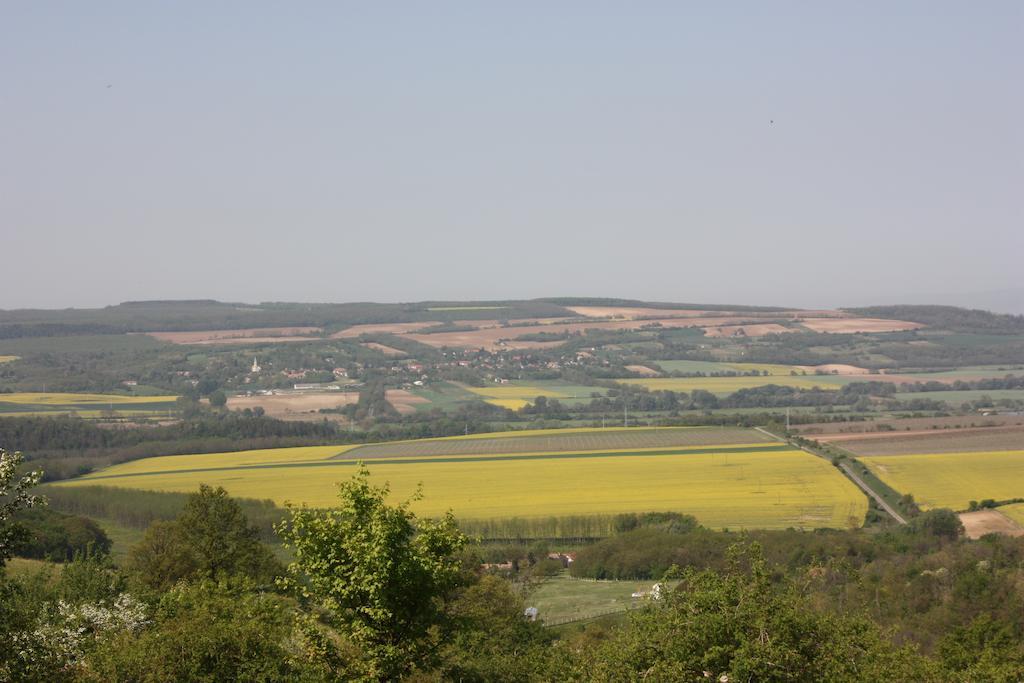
<point x="255" y="366"/>
<point x="530" y="613"/>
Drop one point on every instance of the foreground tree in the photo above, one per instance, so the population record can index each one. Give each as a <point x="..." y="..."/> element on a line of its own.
<point x="739" y="626"/>
<point x="211" y="539"/>
<point x="14" y="496"/>
<point x="383" y="574"/>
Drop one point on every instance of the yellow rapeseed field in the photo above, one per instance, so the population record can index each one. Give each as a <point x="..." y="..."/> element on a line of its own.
<point x="201" y="461"/>
<point x="734" y="489"/>
<point x="510" y="403"/>
<point x="727" y="385"/>
<point x="512" y="396"/>
<point x="60" y="399"/>
<point x="1014" y="512"/>
<point x="952" y="479"/>
<point x="8" y="359"/>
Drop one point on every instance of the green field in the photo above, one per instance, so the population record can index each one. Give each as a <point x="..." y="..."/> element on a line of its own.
<point x="562" y="598"/>
<point x="515" y="395"/>
<point x="952" y="479"/>
<point x="756" y="484"/>
<point x="956" y="398"/>
<point x="86" y="405"/>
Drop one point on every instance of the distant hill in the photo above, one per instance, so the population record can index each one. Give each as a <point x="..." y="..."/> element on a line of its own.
<point x="947" y="318"/>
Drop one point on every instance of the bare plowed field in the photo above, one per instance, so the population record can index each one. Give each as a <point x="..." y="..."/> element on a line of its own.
<point x="381" y="328"/>
<point x="914" y="424"/>
<point x="634" y="312"/>
<point x="931" y="441"/>
<point x="386" y="350"/>
<point x="284" y="405"/>
<point x="746" y="330"/>
<point x="404" y="402"/>
<point x="489" y="337"/>
<point x="977" y="524"/>
<point x="568" y="441"/>
<point x="643" y="370"/>
<point x="852" y="325"/>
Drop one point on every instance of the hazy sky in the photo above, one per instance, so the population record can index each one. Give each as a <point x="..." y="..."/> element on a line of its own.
<point x="329" y="151"/>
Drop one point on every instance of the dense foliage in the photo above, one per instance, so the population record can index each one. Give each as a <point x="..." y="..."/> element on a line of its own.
<point x="374" y="593"/>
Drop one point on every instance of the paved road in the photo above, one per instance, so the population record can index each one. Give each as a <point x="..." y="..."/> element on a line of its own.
<point x="871" y="492"/>
<point x="853" y="477"/>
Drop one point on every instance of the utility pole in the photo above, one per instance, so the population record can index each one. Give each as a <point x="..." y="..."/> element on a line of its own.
<point x="625" y="413"/>
<point x="787" y="418"/>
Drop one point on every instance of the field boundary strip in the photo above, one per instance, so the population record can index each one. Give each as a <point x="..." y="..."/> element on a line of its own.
<point x="724" y="450"/>
<point x="559" y="440"/>
<point x="511" y="455"/>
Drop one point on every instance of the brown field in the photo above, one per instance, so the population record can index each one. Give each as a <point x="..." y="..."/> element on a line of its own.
<point x="381" y="328"/>
<point x="404" y="402"/>
<point x="643" y="370"/>
<point x="633" y="313"/>
<point x="636" y="312"/>
<point x="489" y="338"/>
<point x="851" y="325"/>
<point x="515" y="322"/>
<point x="758" y="330"/>
<point x="252" y="335"/>
<point x="911" y="424"/>
<point x="977" y="524"/>
<point x="835" y="369"/>
<point x="982" y="439"/>
<point x="292" y="404"/>
<point x="386" y="350"/>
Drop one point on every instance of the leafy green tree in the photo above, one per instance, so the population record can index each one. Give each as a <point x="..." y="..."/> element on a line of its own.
<point x="202" y="632"/>
<point x="984" y="650"/>
<point x="738" y="626"/>
<point x="383" y="574"/>
<point x="162" y="557"/>
<point x="490" y="640"/>
<point x="222" y="539"/>
<point x="14" y="496"/>
<point x="210" y="539"/>
<point x="941" y="523"/>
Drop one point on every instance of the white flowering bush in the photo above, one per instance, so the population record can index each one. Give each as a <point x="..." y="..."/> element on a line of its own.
<point x="61" y="639"/>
